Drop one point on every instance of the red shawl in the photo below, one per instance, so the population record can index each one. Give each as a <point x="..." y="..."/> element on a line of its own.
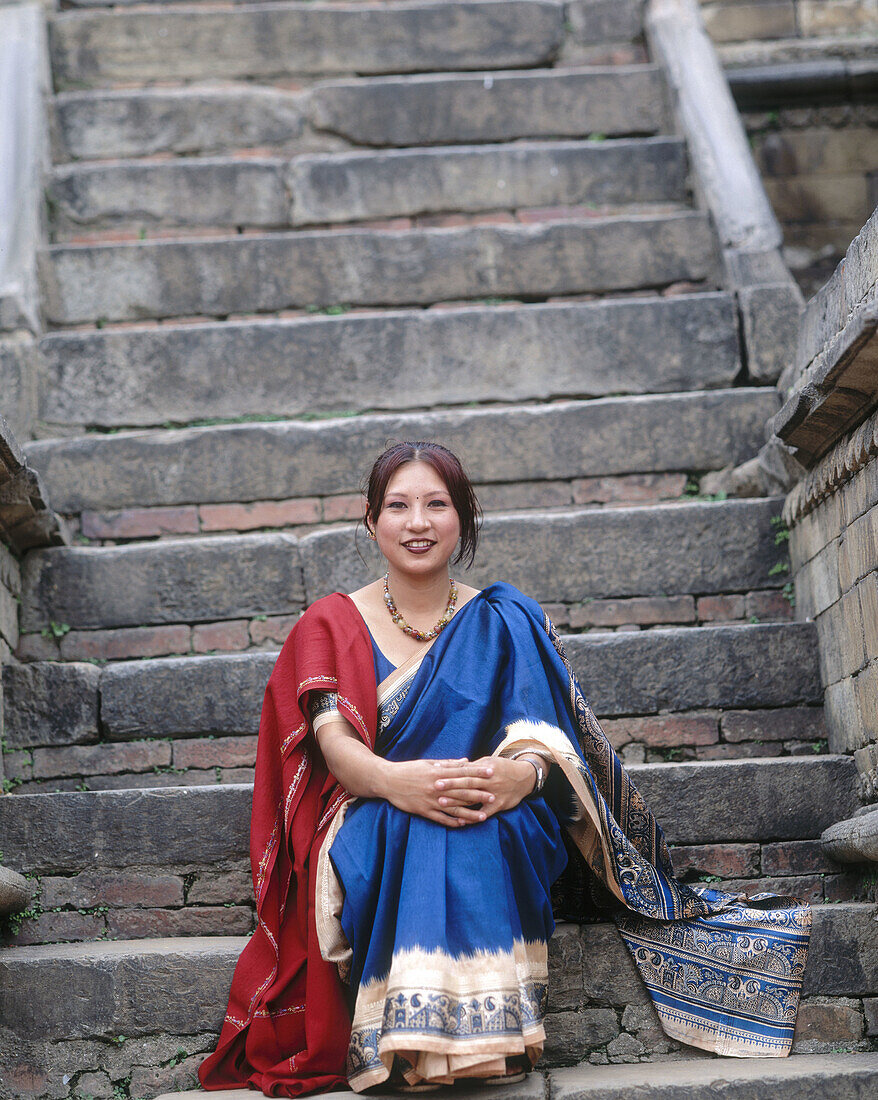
<point x="287" y="1026"/>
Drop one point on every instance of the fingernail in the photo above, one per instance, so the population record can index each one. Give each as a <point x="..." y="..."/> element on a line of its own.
<point x="443" y="801"/>
<point x="490" y="798"/>
<point x="481" y="817"/>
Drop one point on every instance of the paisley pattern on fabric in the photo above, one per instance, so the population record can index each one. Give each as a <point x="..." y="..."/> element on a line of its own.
<point x="729" y="982"/>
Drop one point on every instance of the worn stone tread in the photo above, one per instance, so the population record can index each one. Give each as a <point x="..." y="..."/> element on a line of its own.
<point x="196" y="826"/>
<point x="720" y="546"/>
<point x="147" y="376"/>
<point x="443" y="108"/>
<point x="141" y="987"/>
<point x="803" y="1077"/>
<point x="318" y="189"/>
<point x="367" y="267"/>
<point x="280" y="460"/>
<point x="276" y="40"/>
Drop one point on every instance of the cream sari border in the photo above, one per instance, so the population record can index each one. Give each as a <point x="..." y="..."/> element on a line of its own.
<point x="551" y="743"/>
<point x="329" y="902"/>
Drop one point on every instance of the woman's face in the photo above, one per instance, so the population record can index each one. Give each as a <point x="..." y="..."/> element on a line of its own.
<point x="418" y="526"/>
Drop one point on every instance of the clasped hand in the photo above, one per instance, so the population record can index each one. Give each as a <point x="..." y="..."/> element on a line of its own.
<point x="458" y="792"/>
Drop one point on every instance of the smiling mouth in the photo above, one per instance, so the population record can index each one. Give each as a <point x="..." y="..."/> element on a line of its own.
<point x="419" y="544"/>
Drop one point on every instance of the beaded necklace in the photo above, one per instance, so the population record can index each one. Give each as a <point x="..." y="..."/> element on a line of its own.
<point x="412" y="631"/>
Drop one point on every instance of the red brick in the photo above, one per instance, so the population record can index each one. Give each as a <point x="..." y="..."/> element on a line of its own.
<point x="630" y="489"/>
<point x="400" y="222"/>
<point x="829" y="1021"/>
<point x="725" y="860"/>
<point x="229" y="636"/>
<point x="768" y="605"/>
<point x="218" y="887"/>
<point x="36" y="647"/>
<point x="236" y="775"/>
<point x="107" y="759"/>
<point x="126" y="641"/>
<point x="208" y="920"/>
<point x="272" y="629"/>
<point x="138" y="523"/>
<point x="684" y="287"/>
<point x="559" y="613"/>
<point x="796" y="857"/>
<point x="524" y="494"/>
<point x="639" y="610"/>
<point x="57" y="927"/>
<point x="719" y="608"/>
<point x="264" y="513"/>
<point x="344" y="506"/>
<point x="745" y="751"/>
<point x="662" y="730"/>
<point x="116" y="888"/>
<point x="781" y="724"/>
<point x="220" y="752"/>
<point x="557" y="213"/>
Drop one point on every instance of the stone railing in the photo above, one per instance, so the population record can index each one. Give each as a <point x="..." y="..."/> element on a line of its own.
<point x="830" y="423"/>
<point x="728" y="184"/>
<point x="25" y="518"/>
<point x="23" y="162"/>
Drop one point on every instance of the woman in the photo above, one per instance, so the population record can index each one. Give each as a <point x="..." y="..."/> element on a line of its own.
<point x="423" y="750"/>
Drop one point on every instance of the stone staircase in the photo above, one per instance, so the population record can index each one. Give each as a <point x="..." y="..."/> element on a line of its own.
<point x="281" y="235"/>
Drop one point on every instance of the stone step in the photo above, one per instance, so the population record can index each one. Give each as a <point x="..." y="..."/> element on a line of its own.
<point x="217" y="277"/>
<point x="142" y="377"/>
<point x="283" y="40"/>
<point x="180" y="829"/>
<point x="424" y="109"/>
<point x="806" y="1077"/>
<point x="139" y="988"/>
<point x="320" y="189"/>
<point x="288" y="459"/>
<point x="722" y="546"/>
<point x="440" y="109"/>
<point x="732" y="668"/>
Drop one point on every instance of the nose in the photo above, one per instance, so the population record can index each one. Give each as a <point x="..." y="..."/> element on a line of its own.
<point x="418" y="519"/>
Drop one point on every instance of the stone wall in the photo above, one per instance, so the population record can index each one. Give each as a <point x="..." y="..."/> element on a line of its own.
<point x="748" y="20"/>
<point x="804" y="73"/>
<point x="830" y="418"/>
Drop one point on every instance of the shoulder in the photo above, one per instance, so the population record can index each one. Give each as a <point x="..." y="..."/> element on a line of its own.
<point x="324" y="617"/>
<point x="509" y="601"/>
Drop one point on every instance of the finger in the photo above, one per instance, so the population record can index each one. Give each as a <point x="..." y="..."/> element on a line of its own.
<point x="463" y="813"/>
<point x="465" y="796"/>
<point x="470" y="776"/>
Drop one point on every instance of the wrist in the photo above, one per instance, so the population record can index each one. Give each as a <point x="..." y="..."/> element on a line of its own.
<point x="381" y="778"/>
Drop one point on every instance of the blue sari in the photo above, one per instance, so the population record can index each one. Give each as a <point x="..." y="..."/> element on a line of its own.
<point x="442" y="933"/>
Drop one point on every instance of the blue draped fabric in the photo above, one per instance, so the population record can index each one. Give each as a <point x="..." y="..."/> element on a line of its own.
<point x="447" y="928"/>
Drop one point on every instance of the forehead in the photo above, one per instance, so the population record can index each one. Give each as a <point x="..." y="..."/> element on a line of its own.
<point x="416" y="478"/>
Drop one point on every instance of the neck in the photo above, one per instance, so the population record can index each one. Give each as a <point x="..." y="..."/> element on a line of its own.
<point x="420" y="595"/>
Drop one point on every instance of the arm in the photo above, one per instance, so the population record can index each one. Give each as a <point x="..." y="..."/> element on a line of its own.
<point x="415" y="786"/>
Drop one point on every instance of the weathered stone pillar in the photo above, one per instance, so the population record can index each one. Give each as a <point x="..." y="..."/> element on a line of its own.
<point x="830" y="421"/>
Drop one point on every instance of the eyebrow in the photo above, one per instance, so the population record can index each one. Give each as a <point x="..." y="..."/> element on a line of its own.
<point x="429" y="493"/>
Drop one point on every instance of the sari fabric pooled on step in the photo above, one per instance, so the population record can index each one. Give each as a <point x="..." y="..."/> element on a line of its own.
<point x="442" y="933"/>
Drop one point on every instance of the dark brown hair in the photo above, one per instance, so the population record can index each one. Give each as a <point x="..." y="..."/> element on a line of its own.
<point x="448" y="466"/>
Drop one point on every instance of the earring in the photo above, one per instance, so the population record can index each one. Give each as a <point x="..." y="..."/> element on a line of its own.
<point x="371" y="535"/>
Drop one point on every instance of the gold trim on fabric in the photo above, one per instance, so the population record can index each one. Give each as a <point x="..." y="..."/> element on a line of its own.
<point x="392" y="683"/>
<point x="463" y="997"/>
<point x="329" y="901"/>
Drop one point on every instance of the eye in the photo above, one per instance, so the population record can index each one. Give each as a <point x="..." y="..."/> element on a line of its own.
<point x="439" y="503"/>
<point x="395" y="504"/>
